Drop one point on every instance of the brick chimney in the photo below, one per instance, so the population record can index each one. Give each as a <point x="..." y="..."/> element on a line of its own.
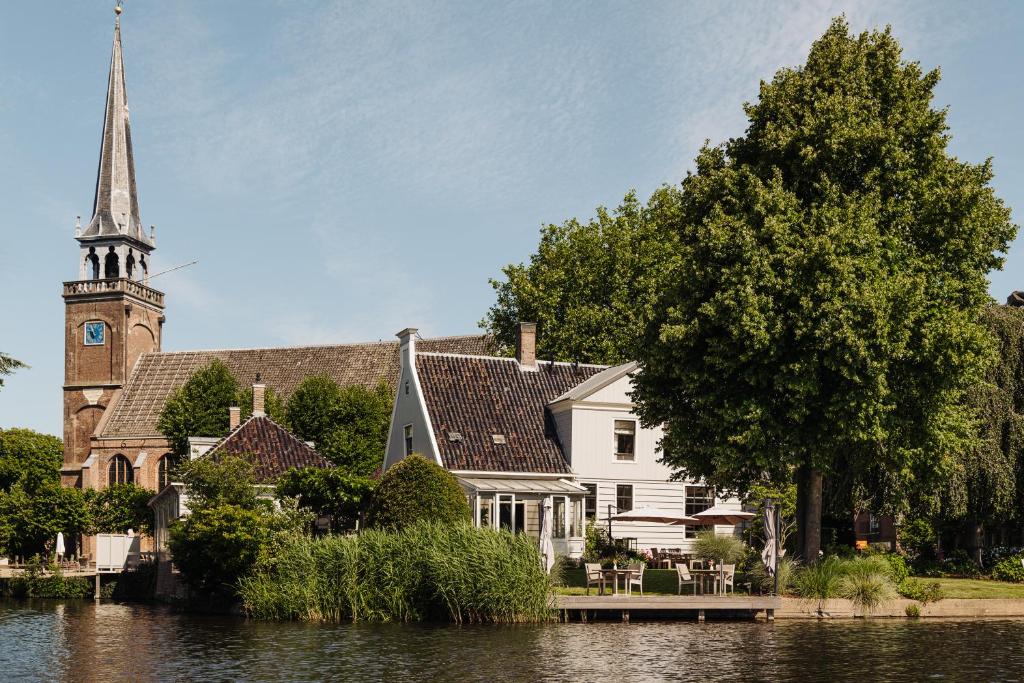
<point x="234" y="417"/>
<point x="526" y="346"/>
<point x="259" y="394"/>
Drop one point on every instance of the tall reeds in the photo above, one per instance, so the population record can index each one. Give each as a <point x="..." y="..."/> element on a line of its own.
<point x="427" y="571"/>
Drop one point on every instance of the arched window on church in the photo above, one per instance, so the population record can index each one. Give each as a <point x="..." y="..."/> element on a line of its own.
<point x="92" y="262"/>
<point x="120" y="471"/>
<point x="165" y="470"/>
<point x="129" y="265"/>
<point x="111" y="267"/>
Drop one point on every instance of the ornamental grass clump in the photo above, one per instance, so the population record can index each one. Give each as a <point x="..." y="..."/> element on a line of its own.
<point x="426" y="571"/>
<point x="867" y="583"/>
<point x="726" y="548"/>
<point x="820" y="581"/>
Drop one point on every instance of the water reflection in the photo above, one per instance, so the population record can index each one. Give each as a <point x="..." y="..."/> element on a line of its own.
<point x="79" y="641"/>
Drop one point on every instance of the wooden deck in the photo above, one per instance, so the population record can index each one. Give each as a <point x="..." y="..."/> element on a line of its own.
<point x="586" y="607"/>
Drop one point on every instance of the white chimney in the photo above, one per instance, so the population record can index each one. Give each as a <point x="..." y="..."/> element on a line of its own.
<point x="234" y="417"/>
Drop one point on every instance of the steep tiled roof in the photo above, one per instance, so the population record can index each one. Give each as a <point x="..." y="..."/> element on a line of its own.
<point x="276" y="450"/>
<point x="157" y="375"/>
<point x="479" y="397"/>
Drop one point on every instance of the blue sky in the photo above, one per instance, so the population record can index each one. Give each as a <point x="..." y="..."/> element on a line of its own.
<point x="346" y="169"/>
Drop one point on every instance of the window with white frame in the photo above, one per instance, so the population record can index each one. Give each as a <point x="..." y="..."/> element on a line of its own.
<point x="698" y="499"/>
<point x="558" y="517"/>
<point x="590" y="502"/>
<point x="407" y="431"/>
<point x="624" y="497"/>
<point x="625" y="440"/>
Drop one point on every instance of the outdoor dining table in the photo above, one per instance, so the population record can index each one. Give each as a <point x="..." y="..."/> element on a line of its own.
<point x="704" y="575"/>
<point x="614" y="574"/>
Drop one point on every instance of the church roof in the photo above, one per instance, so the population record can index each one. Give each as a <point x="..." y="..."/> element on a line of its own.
<point x="275" y="450"/>
<point x="116" y="205"/>
<point x="157" y="375"/>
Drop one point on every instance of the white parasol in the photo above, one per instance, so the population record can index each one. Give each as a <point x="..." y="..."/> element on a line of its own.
<point x="722" y="515"/>
<point x="770" y="553"/>
<point x="655" y="515"/>
<point x="60" y="544"/>
<point x="547" y="548"/>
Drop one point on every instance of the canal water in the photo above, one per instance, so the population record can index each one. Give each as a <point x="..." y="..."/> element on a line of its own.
<point x="79" y="641"/>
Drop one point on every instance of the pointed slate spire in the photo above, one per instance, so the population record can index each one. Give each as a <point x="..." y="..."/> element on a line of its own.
<point x="116" y="207"/>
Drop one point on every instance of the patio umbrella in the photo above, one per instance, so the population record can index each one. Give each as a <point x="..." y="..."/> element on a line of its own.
<point x="655" y="515"/>
<point x="769" y="555"/>
<point x="721" y="515"/>
<point x="60" y="545"/>
<point x="547" y="548"/>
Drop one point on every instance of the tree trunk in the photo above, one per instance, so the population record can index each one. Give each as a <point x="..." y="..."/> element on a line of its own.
<point x="801" y="508"/>
<point x="808" y="513"/>
<point x="812" y="516"/>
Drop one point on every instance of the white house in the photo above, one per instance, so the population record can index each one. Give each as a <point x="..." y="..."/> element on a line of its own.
<point x="515" y="431"/>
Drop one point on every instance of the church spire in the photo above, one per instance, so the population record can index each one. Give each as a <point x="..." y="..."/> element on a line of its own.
<point x="116" y="206"/>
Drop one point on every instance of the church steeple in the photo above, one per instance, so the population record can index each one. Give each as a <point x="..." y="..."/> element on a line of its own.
<point x="115" y="229"/>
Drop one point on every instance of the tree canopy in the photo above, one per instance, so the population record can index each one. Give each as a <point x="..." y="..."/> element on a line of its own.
<point x="417" y="489"/>
<point x="30" y="458"/>
<point x="348" y="425"/>
<point x="200" y="406"/>
<point x="332" y="492"/>
<point x="590" y="287"/>
<point x="8" y="365"/>
<point x="830" y="266"/>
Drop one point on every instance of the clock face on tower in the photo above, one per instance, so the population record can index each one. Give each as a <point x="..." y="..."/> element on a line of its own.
<point x="94" y="334"/>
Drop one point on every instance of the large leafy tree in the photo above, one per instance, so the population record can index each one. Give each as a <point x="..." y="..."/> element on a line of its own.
<point x="30" y="458"/>
<point x="121" y="507"/>
<point x="986" y="483"/>
<point x="822" y="313"/>
<point x="591" y="286"/>
<point x="31" y="519"/>
<point x="331" y="492"/>
<point x="349" y="425"/>
<point x="200" y="406"/>
<point x="8" y="365"/>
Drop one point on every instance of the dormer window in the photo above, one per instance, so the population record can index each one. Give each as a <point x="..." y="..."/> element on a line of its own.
<point x="625" y="440"/>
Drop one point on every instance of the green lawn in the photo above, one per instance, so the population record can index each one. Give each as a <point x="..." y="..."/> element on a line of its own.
<point x="977" y="588"/>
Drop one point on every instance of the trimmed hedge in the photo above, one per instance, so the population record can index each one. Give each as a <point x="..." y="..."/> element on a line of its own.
<point x="414" y="490"/>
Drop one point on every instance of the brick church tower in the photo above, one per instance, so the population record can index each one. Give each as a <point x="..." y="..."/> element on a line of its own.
<point x="112" y="315"/>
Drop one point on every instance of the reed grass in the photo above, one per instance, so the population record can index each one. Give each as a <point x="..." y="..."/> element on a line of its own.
<point x="427" y="571"/>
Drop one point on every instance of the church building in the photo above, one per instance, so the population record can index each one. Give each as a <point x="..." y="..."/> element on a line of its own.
<point x="116" y="377"/>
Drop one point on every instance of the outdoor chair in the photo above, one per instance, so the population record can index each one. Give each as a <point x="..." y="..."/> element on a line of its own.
<point x="696" y="564"/>
<point x="637" y="577"/>
<point x="685" y="577"/>
<point x="595" y="577"/>
<point x="728" y="578"/>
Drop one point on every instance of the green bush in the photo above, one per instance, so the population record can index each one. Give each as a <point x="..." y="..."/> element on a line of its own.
<point x="1009" y="569"/>
<point x="914" y="589"/>
<point x="215" y="546"/>
<point x="727" y="548"/>
<point x="330" y="492"/>
<point x="426" y="571"/>
<point x="36" y="584"/>
<point x="821" y="581"/>
<point x="897" y="567"/>
<point x="417" y="489"/>
<point x="913" y="611"/>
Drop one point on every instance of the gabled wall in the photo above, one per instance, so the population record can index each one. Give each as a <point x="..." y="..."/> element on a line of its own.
<point x="410" y="408"/>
